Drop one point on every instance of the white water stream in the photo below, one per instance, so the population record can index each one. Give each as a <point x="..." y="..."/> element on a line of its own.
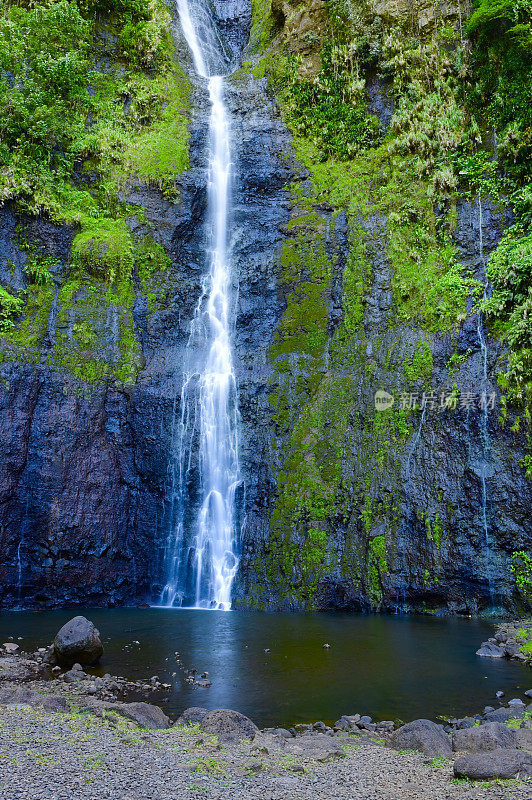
<point x="201" y="556"/>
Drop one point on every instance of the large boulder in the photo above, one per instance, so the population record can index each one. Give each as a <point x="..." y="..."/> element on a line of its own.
<point x="228" y="725"/>
<point x="318" y="747"/>
<point x="523" y="738"/>
<point x="504" y="714"/>
<point x="192" y="716"/>
<point x="484" y="738"/>
<point x="78" y="641"/>
<point x="422" y="735"/>
<point x="499" y="763"/>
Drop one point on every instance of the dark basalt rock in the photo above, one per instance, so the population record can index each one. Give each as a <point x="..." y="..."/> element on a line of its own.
<point x="85" y="469"/>
<point x="192" y="716"/>
<point x="500" y="763"/>
<point x="490" y="650"/>
<point x="422" y="735"/>
<point x="27" y="697"/>
<point x="228" y="725"/>
<point x="78" y="641"/>
<point x="483" y="738"/>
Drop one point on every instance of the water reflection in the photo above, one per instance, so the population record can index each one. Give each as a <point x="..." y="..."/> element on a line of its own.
<point x="389" y="667"/>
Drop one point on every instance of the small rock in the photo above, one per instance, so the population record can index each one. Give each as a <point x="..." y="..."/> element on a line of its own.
<point x="73" y="676"/>
<point x="203" y="684"/>
<point x="10" y="647"/>
<point x="516" y="702"/>
<point x="528" y="693"/>
<point x="347" y="723"/>
<point x="500" y="763"/>
<point x="499" y="694"/>
<point x="487" y="709"/>
<point x="465" y="723"/>
<point x="326" y="646"/>
<point x="254" y="766"/>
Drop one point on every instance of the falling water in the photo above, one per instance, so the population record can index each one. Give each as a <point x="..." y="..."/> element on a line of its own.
<point x="484" y="433"/>
<point x="19" y="570"/>
<point x="415" y="443"/>
<point x="201" y="555"/>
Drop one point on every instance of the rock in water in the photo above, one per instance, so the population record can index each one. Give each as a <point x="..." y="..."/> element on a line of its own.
<point x="422" y="735"/>
<point x="228" y="725"/>
<point x="500" y="763"/>
<point x="490" y="650"/>
<point x="78" y="641"/>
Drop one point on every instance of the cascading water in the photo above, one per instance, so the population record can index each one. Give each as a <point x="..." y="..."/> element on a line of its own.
<point x="201" y="554"/>
<point x="484" y="432"/>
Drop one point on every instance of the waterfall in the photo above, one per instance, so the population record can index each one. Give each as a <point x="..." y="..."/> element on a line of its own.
<point x="19" y="571"/>
<point x="484" y="432"/>
<point x="201" y="555"/>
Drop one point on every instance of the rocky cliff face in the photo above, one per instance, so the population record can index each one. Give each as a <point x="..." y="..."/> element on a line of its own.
<point x="346" y="505"/>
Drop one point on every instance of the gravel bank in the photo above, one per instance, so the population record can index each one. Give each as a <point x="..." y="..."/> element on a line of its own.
<point x="58" y="756"/>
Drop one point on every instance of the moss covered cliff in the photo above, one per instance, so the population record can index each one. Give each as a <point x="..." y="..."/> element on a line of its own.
<point x="382" y="241"/>
<point x="411" y="126"/>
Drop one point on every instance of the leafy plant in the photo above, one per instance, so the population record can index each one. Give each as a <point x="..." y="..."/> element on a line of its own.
<point x="521" y="567"/>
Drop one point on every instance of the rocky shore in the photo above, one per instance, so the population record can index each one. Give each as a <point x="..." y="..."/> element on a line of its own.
<point x="511" y="640"/>
<point x="65" y="732"/>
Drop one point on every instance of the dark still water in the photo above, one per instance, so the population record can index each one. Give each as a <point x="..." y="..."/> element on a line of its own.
<point x="388" y="667"/>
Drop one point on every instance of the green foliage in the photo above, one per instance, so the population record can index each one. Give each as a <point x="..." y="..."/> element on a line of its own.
<point x="104" y="248"/>
<point x="378" y="567"/>
<point x="420" y="365"/>
<point x="44" y="101"/>
<point x="91" y="97"/>
<point x="10" y="306"/>
<point x="509" y="308"/>
<point x="151" y="262"/>
<point x="60" y="113"/>
<point x="521" y="568"/>
<point x="330" y="109"/>
<point x="38" y="267"/>
<point x="501" y="92"/>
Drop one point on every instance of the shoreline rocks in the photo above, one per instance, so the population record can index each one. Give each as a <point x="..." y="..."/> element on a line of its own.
<point x="496" y="743"/>
<point x="511" y="640"/>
